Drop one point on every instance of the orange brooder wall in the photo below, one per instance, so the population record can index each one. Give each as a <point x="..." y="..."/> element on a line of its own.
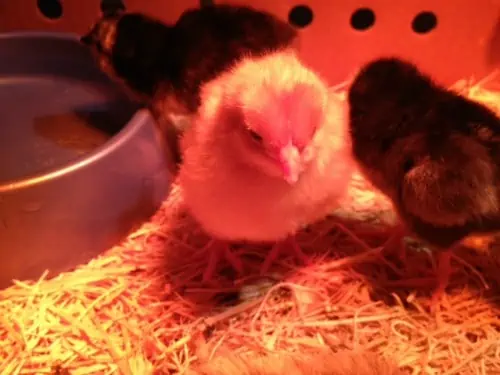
<point x="464" y="43"/>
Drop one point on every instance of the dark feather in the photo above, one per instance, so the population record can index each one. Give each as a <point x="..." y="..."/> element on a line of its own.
<point x="434" y="152"/>
<point x="203" y="43"/>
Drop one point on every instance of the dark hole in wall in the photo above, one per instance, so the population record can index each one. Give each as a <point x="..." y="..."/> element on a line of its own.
<point x="112" y="6"/>
<point x="51" y="9"/>
<point x="300" y="16"/>
<point x="424" y="22"/>
<point x="206" y="3"/>
<point x="362" y="19"/>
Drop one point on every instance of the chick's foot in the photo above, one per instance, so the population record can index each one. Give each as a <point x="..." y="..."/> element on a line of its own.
<point x="290" y="243"/>
<point x="216" y="250"/>
<point x="443" y="274"/>
<point x="395" y="244"/>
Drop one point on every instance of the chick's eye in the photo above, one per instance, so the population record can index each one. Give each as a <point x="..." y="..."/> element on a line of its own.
<point x="408" y="165"/>
<point x="255" y="136"/>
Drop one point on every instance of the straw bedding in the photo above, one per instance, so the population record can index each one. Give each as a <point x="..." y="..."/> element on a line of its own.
<point x="140" y="308"/>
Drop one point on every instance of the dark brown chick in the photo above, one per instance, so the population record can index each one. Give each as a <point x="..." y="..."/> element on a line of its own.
<point x="168" y="65"/>
<point x="131" y="48"/>
<point x="434" y="153"/>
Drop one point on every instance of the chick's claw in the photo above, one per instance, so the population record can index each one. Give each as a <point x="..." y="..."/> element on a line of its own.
<point x="289" y="244"/>
<point x="216" y="251"/>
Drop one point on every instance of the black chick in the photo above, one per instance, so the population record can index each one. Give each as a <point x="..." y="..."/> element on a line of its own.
<point x="433" y="152"/>
<point x="131" y="48"/>
<point x="167" y="65"/>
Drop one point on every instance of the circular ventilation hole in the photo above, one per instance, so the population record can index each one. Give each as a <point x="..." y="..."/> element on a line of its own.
<point x="50" y="8"/>
<point x="424" y="22"/>
<point x="112" y="6"/>
<point x="362" y="19"/>
<point x="206" y="3"/>
<point x="300" y="16"/>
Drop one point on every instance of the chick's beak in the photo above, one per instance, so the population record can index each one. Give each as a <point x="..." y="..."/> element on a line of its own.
<point x="291" y="163"/>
